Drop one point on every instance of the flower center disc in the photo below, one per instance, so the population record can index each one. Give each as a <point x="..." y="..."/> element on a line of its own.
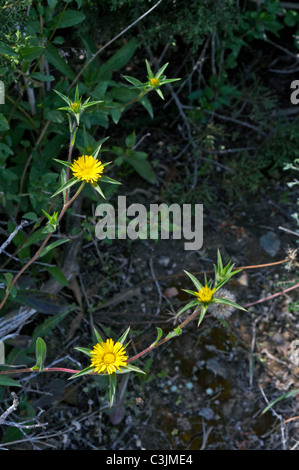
<point x="109" y="358"/>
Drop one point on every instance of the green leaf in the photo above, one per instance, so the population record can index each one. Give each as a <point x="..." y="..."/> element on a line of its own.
<point x="40" y="353"/>
<point x="4" y="49"/>
<point x="63" y="97"/>
<point x="97" y="188"/>
<point x="192" y="292"/>
<point x="97" y="148"/>
<point x="218" y="300"/>
<point x="8" y="382"/>
<point x="112" y="388"/>
<point x="53" y="245"/>
<point x="83" y="350"/>
<point x="116" y="114"/>
<point x="194" y="280"/>
<point x="286" y="395"/>
<point x="8" y="278"/>
<point x="4" y="126"/>
<point x="160" y="93"/>
<point x="63" y="162"/>
<point x="149" y="70"/>
<point x="54" y="115"/>
<point x="42" y="77"/>
<point x="88" y="370"/>
<point x="28" y="54"/>
<point x="143" y="167"/>
<point x="159" y="334"/>
<point x="50" y="323"/>
<point x="189" y="305"/>
<point x="159" y="73"/>
<point x="131" y="140"/>
<point x="219" y="261"/>
<point x="147" y="105"/>
<point x="70" y="183"/>
<point x="106" y="179"/>
<point x="130" y="368"/>
<point x="43" y="302"/>
<point x="204" y="308"/>
<point x="30" y="216"/>
<point x="124" y="335"/>
<point x="133" y="81"/>
<point x="177" y="331"/>
<point x="58" y="275"/>
<point x="98" y="336"/>
<point x="70" y="18"/>
<point x="34" y="238"/>
<point x="119" y="59"/>
<point x="53" y="56"/>
<point x="227" y="278"/>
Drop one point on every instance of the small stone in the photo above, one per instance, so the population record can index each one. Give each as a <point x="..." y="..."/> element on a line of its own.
<point x="171" y="292"/>
<point x="270" y="243"/>
<point x="206" y="413"/>
<point x="164" y="261"/>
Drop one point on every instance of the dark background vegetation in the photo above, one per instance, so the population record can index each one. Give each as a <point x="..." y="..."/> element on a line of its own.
<point x="222" y="137"/>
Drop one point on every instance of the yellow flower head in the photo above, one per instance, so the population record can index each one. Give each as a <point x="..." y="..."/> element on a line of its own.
<point x="75" y="107"/>
<point x="154" y="81"/>
<point x="205" y="294"/>
<point x="107" y="357"/>
<point x="87" y="168"/>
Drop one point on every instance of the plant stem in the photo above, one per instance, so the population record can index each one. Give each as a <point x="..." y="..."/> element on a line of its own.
<point x="41" y="247"/>
<point x="164" y="340"/>
<point x="71" y="146"/>
<point x="30" y="369"/>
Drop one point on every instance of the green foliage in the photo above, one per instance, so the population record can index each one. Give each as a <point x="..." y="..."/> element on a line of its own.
<point x="134" y="158"/>
<point x="170" y="22"/>
<point x="12" y="15"/>
<point x="201" y="304"/>
<point x="40" y="352"/>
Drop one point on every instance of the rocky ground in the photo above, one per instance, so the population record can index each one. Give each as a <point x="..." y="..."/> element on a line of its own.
<point x="205" y="389"/>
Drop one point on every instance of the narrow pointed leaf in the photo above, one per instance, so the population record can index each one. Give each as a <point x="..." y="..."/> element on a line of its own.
<point x="65" y="98"/>
<point x="130" y="368"/>
<point x="8" y="382"/>
<point x="204" y="308"/>
<point x="124" y="335"/>
<point x="106" y="179"/>
<point x="88" y="370"/>
<point x="53" y="245"/>
<point x="149" y="70"/>
<point x="160" y="93"/>
<point x="97" y="188"/>
<point x="191" y="292"/>
<point x="218" y="300"/>
<point x="84" y="350"/>
<point x="159" y="334"/>
<point x="112" y="388"/>
<point x="282" y="397"/>
<point x="70" y="183"/>
<point x="63" y="162"/>
<point x="159" y="73"/>
<point x="133" y="80"/>
<point x="98" y="336"/>
<point x="169" y="80"/>
<point x="194" y="280"/>
<point x="189" y="305"/>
